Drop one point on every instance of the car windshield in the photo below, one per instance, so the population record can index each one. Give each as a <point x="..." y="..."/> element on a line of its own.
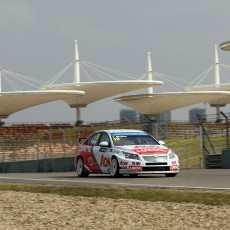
<point x="120" y="139"/>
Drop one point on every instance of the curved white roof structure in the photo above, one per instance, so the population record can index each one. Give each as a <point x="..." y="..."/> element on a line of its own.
<point x="225" y="46"/>
<point x="155" y="104"/>
<point x="77" y="94"/>
<point x="95" y="91"/>
<point x="212" y="87"/>
<point x="80" y="94"/>
<point x="217" y="86"/>
<point x="12" y="102"/>
<point x="217" y="95"/>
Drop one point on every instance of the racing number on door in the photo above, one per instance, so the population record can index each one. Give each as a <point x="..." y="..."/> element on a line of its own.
<point x="105" y="162"/>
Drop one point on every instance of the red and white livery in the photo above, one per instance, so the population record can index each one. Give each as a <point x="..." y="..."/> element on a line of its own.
<point x="125" y="151"/>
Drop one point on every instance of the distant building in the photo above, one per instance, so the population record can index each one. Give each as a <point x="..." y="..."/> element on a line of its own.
<point x="128" y="115"/>
<point x="194" y="112"/>
<point x="162" y="118"/>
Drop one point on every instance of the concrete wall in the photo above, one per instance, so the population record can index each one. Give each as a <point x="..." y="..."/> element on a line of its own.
<point x="65" y="164"/>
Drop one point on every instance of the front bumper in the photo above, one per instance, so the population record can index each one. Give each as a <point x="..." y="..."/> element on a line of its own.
<point x="149" y="170"/>
<point x="137" y="167"/>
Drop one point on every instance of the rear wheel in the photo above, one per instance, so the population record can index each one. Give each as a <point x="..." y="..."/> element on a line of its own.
<point x="81" y="172"/>
<point x="114" y="167"/>
<point x="170" y="174"/>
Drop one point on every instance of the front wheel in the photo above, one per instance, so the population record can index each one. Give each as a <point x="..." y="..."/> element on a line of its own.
<point x="80" y="168"/>
<point x="114" y="167"/>
<point x="170" y="174"/>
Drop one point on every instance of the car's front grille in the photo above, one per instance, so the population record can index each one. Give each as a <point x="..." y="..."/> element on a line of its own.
<point x="155" y="158"/>
<point x="149" y="158"/>
<point x="160" y="168"/>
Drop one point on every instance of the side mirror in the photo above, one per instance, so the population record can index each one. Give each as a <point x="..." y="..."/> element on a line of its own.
<point x="162" y="142"/>
<point x="104" y="144"/>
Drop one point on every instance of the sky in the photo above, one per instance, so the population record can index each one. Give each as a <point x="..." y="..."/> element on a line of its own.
<point x="37" y="40"/>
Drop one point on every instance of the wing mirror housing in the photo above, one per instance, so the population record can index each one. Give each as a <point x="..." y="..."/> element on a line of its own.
<point x="162" y="142"/>
<point x="104" y="144"/>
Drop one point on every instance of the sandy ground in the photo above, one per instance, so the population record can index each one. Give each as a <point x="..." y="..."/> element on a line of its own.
<point x="22" y="210"/>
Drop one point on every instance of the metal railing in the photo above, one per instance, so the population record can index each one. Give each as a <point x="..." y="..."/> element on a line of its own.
<point x="43" y="143"/>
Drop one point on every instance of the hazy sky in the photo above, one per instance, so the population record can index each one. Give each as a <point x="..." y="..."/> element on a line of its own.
<point x="37" y="40"/>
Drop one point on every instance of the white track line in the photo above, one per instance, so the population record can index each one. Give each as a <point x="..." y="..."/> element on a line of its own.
<point x="116" y="183"/>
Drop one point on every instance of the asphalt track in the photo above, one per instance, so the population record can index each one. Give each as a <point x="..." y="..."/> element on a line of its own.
<point x="206" y="179"/>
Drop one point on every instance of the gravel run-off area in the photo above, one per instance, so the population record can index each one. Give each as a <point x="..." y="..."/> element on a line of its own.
<point x="23" y="210"/>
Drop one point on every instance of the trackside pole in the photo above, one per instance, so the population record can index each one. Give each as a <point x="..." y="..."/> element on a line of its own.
<point x="201" y="146"/>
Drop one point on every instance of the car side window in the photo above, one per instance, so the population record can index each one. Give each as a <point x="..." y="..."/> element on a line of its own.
<point x="104" y="137"/>
<point x="93" y="140"/>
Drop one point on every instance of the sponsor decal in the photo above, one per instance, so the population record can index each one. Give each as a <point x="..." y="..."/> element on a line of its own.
<point x="90" y="160"/>
<point x="123" y="163"/>
<point x="103" y="149"/>
<point x="105" y="161"/>
<point x="135" y="168"/>
<point x="85" y="148"/>
<point x="150" y="150"/>
<point x="136" y="163"/>
<point x="124" y="134"/>
<point x="174" y="167"/>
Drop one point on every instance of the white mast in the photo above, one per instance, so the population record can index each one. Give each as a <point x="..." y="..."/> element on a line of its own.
<point x="76" y="78"/>
<point x="150" y="72"/>
<point x="217" y="67"/>
<point x="76" y="65"/>
<point x="217" y="78"/>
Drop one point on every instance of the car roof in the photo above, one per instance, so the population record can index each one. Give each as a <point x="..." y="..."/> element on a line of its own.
<point x="121" y="130"/>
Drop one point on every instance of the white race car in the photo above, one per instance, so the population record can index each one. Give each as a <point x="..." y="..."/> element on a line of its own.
<point x="125" y="151"/>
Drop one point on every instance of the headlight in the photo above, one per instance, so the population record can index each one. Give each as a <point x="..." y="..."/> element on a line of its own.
<point x="171" y="154"/>
<point x="131" y="156"/>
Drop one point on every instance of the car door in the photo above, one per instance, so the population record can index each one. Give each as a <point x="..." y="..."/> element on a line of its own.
<point x="89" y="147"/>
<point x="102" y="153"/>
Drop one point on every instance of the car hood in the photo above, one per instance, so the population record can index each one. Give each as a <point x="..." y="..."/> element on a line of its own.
<point x="145" y="149"/>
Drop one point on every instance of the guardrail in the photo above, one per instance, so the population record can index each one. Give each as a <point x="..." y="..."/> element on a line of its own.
<point x="22" y="143"/>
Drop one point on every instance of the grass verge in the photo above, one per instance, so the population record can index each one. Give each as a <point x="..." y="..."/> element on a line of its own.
<point x="142" y="194"/>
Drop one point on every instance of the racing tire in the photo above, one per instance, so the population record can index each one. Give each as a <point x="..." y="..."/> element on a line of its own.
<point x="114" y="168"/>
<point x="170" y="174"/>
<point x="80" y="168"/>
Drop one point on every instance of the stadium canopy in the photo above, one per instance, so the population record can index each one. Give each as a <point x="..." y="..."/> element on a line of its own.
<point x="77" y="94"/>
<point x="211" y="87"/>
<point x="15" y="101"/>
<point x="155" y="104"/>
<point x="95" y="91"/>
<point x="152" y="104"/>
<point x="98" y="90"/>
<point x="217" y="86"/>
<point x="225" y="45"/>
